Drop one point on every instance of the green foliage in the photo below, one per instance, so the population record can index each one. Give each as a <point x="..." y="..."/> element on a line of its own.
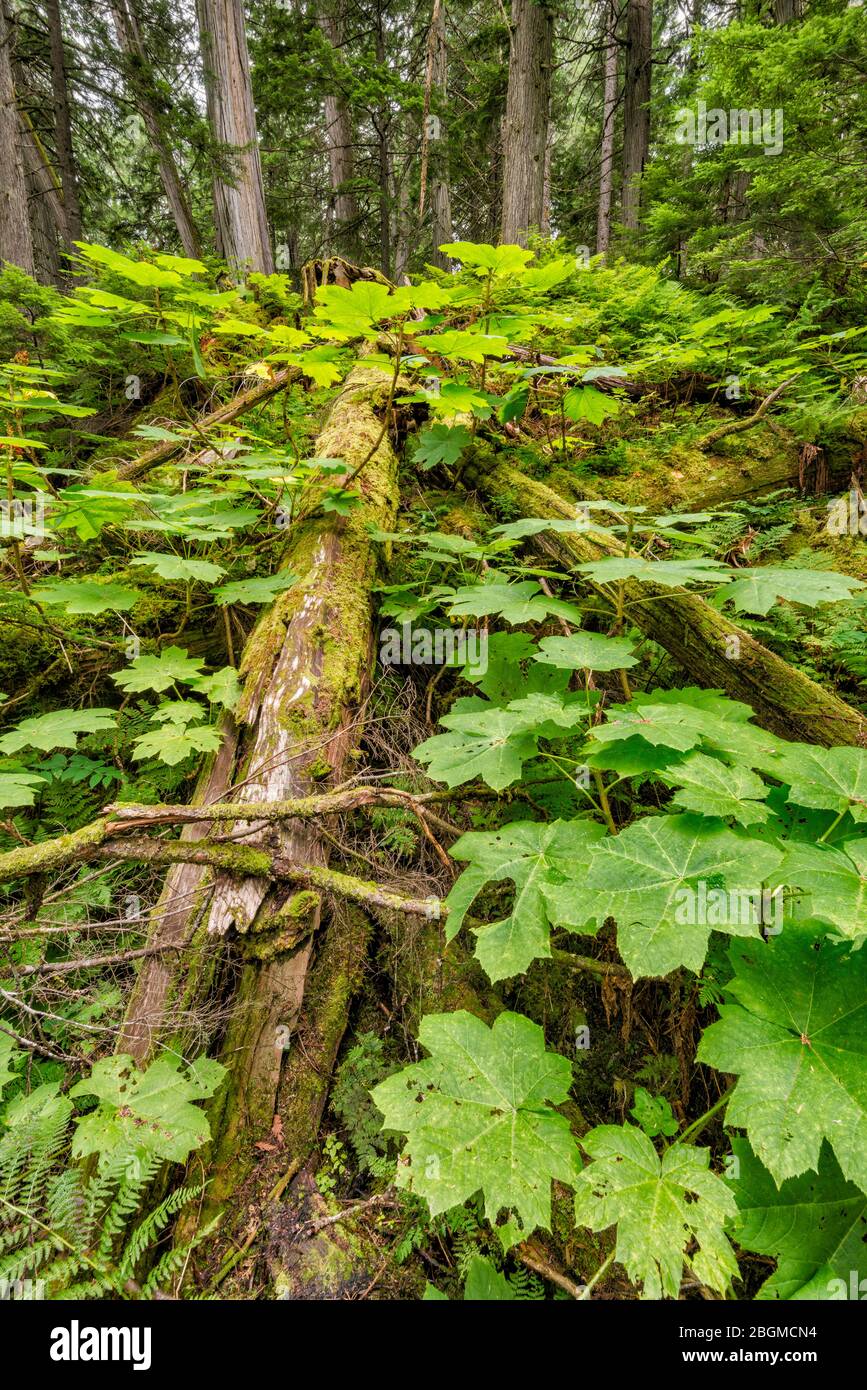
<point x="477" y="1117"/>
<point x="660" y="1207"/>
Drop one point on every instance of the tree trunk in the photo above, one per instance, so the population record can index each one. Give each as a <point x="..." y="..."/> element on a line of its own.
<point x="606" y="152"/>
<point x="141" y="85"/>
<point x="381" y="124"/>
<point x="16" y="240"/>
<point x="436" y="157"/>
<point x="239" y="197"/>
<point x="343" y="205"/>
<point x="62" y="124"/>
<point x="47" y="213"/>
<point x="709" y="647"/>
<point x="304" y="668"/>
<point x="636" y="109"/>
<point x="525" y="129"/>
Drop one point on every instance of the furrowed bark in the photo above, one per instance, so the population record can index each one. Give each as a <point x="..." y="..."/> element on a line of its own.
<point x="698" y="637"/>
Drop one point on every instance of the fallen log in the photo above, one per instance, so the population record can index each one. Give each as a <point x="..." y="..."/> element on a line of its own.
<point x="222" y="415"/>
<point x="708" y="646"/>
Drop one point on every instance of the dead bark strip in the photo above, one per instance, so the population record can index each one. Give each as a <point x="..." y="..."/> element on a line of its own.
<point x="709" y="647"/>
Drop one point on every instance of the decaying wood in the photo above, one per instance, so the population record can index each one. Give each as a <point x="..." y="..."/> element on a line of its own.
<point x="709" y="647"/>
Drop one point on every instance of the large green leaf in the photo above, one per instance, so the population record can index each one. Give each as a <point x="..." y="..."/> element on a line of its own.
<point x="712" y="788"/>
<point x="519" y="602"/>
<point x="757" y="590"/>
<point x="60" y="729"/>
<point x="86" y="596"/>
<point x="169" y="566"/>
<point x="19" y="788"/>
<point x="159" y="672"/>
<point x="477" y="1118"/>
<point x="829" y="882"/>
<point x="814" y="1226"/>
<point x="668" y="573"/>
<point x="797" y="1040"/>
<point x="587" y="651"/>
<point x="828" y="779"/>
<point x="669" y="880"/>
<point x="147" y="1111"/>
<point x="545" y="861"/>
<point x="486" y="742"/>
<point x="660" y="1207"/>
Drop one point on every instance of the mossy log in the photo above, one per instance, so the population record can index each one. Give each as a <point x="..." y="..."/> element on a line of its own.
<point x="710" y="648"/>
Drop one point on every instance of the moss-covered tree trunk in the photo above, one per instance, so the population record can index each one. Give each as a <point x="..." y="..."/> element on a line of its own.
<point x="304" y="672"/>
<point x="709" y="647"/>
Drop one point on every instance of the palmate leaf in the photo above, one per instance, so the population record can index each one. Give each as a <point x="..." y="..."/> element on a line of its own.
<point x="441" y="444"/>
<point x="829" y="882"/>
<point x="587" y="651"/>
<point x="259" y="588"/>
<point x="689" y="718"/>
<point x="19" y="788"/>
<point x="586" y="403"/>
<point x="179" y="567"/>
<point x="544" y="860"/>
<point x="484" y="259"/>
<point x="519" y="602"/>
<point x="485" y="741"/>
<point x="86" y="596"/>
<point x="477" y="1118"/>
<point x="797" y="1040"/>
<point x="660" y="1206"/>
<point x="827" y="779"/>
<point x="149" y="1111"/>
<point x="158" y="672"/>
<point x="60" y="729"/>
<point x="712" y="788"/>
<point x="173" y="742"/>
<point x="668" y="573"/>
<point x="649" y="879"/>
<point x="757" y="590"/>
<point x="815" y="1226"/>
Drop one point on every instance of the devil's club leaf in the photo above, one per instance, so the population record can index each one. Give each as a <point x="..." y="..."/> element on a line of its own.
<point x="829" y="882"/>
<point x="441" y="444"/>
<point x="544" y="861"/>
<point x="589" y="651"/>
<point x="827" y="779"/>
<point x="756" y="591"/>
<point x="490" y="743"/>
<point x="712" y="788"/>
<point x="476" y="1118"/>
<point x="149" y="1111"/>
<point x="668" y="880"/>
<point x="660" y="1206"/>
<point x="815" y="1226"/>
<point x="670" y="574"/>
<point x="158" y="672"/>
<point x="797" y="1039"/>
<point x="19" y="788"/>
<point x="521" y="602"/>
<point x="60" y="729"/>
<point x="86" y="596"/>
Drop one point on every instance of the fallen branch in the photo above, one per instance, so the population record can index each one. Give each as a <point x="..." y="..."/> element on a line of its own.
<point x="223" y="415"/>
<point x="736" y="426"/>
